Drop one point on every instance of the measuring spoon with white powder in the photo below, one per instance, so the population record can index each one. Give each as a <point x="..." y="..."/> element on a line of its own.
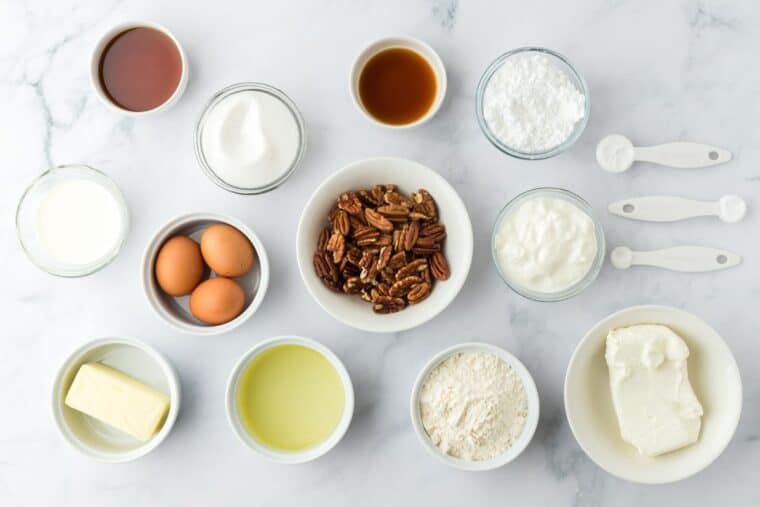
<point x="616" y="154"/>
<point x="664" y="208"/>
<point x="687" y="259"/>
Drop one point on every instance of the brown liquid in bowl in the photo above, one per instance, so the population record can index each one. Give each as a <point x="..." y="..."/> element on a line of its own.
<point x="140" y="69"/>
<point x="397" y="86"/>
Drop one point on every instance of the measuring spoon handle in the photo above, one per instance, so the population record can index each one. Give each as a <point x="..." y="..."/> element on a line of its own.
<point x="662" y="208"/>
<point x="682" y="155"/>
<point x="687" y="259"/>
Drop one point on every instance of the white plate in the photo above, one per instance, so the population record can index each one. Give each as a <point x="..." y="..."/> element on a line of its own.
<point x="530" y="424"/>
<point x="409" y="176"/>
<point x="714" y="376"/>
<point x="99" y="440"/>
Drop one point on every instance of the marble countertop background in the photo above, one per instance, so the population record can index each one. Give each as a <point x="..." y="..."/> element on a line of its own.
<point x="657" y="71"/>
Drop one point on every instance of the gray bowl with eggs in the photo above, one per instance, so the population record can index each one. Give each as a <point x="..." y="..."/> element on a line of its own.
<point x="176" y="310"/>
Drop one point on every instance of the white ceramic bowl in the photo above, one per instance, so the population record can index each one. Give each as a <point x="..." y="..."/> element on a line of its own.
<point x="99" y="440"/>
<point x="176" y="310"/>
<point x="415" y="45"/>
<point x="409" y="176"/>
<point x="530" y="424"/>
<point x="97" y="52"/>
<point x="713" y="374"/>
<point x="276" y="455"/>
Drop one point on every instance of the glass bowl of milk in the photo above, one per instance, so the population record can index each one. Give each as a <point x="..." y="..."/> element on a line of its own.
<point x="547" y="244"/>
<point x="72" y="221"/>
<point x="250" y="138"/>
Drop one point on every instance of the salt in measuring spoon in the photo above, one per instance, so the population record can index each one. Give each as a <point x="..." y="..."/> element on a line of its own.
<point x="663" y="208"/>
<point x="616" y="153"/>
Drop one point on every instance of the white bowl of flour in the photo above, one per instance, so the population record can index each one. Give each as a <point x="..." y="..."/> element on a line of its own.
<point x="475" y="406"/>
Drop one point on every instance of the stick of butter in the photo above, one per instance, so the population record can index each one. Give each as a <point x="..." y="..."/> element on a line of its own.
<point x="118" y="400"/>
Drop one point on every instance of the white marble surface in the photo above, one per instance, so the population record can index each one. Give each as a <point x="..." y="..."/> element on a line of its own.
<point x="657" y="71"/>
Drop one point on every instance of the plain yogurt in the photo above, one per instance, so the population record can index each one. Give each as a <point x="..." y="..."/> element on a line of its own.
<point x="250" y="139"/>
<point x="546" y="245"/>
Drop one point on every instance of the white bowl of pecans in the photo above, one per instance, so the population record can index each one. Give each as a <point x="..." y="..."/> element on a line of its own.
<point x="384" y="244"/>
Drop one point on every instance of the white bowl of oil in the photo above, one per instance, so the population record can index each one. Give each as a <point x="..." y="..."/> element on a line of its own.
<point x="290" y="399"/>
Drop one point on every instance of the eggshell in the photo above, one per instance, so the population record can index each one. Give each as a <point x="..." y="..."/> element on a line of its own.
<point x="179" y="266"/>
<point x="217" y="300"/>
<point x="226" y="250"/>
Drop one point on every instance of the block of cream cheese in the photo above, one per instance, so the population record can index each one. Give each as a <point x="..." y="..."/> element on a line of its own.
<point x="656" y="407"/>
<point x="118" y="400"/>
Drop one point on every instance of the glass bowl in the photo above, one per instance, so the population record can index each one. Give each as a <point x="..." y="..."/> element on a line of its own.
<point x="26" y="219"/>
<point x="246" y="87"/>
<point x="560" y="62"/>
<point x="593" y="271"/>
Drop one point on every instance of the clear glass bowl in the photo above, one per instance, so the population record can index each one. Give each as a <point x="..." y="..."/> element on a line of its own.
<point x="593" y="271"/>
<point x="562" y="63"/>
<point x="246" y="87"/>
<point x="26" y="219"/>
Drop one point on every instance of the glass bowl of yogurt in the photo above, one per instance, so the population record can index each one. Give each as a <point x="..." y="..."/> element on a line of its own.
<point x="250" y="138"/>
<point x="547" y="244"/>
<point x="532" y="104"/>
<point x="72" y="221"/>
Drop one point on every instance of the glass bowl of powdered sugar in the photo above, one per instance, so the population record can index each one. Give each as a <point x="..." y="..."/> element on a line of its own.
<point x="532" y="104"/>
<point x="475" y="406"/>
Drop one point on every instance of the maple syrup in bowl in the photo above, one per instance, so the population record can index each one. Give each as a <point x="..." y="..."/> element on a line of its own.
<point x="138" y="68"/>
<point x="398" y="82"/>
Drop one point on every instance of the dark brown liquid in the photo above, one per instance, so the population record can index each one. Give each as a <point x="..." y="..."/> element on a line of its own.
<point x="140" y="69"/>
<point x="397" y="86"/>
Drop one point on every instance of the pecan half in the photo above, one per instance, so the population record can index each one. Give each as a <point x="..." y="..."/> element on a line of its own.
<point x="418" y="293"/>
<point x="412" y="233"/>
<point x="403" y="286"/>
<point x="387" y="304"/>
<point x="377" y="220"/>
<point x="349" y="203"/>
<point x="341" y="223"/>
<point x="439" y="267"/>
<point x="413" y="268"/>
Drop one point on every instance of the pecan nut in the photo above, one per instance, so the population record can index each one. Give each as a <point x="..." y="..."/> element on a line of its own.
<point x="439" y="267"/>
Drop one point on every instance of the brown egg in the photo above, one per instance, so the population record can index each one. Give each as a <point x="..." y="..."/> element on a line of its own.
<point x="217" y="300"/>
<point x="179" y="266"/>
<point x="226" y="250"/>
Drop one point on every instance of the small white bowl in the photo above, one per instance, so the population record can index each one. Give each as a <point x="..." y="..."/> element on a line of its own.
<point x="276" y="455"/>
<point x="176" y="310"/>
<point x="413" y="44"/>
<point x="97" y="53"/>
<point x="713" y="374"/>
<point x="97" y="439"/>
<point x="530" y="424"/>
<point x="409" y="176"/>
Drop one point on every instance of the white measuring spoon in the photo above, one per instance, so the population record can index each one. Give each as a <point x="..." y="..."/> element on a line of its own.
<point x="688" y="259"/>
<point x="663" y="208"/>
<point x="616" y="153"/>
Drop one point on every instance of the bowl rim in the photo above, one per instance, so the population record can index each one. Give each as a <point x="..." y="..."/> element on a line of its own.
<point x="165" y="232"/>
<point x="592" y="332"/>
<point x="228" y="91"/>
<point x="531" y="391"/>
<point x="285" y="457"/>
<point x="102" y="179"/>
<point x="307" y="270"/>
<point x="97" y="52"/>
<point x="406" y="42"/>
<point x="485" y="78"/>
<point x="601" y="245"/>
<point x="57" y="399"/>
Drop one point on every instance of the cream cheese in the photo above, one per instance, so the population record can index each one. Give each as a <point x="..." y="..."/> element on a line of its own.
<point x="655" y="404"/>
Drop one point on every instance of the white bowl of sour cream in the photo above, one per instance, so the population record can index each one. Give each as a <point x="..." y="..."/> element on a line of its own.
<point x="547" y="245"/>
<point x="250" y="138"/>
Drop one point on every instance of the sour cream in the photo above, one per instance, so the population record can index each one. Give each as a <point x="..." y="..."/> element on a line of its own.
<point x="546" y="245"/>
<point x="250" y="139"/>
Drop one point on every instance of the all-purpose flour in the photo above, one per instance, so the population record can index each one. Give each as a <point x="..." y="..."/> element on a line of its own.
<point x="531" y="105"/>
<point x="473" y="406"/>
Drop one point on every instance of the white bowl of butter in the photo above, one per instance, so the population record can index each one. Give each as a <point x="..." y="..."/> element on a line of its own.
<point x="667" y="455"/>
<point x="121" y="380"/>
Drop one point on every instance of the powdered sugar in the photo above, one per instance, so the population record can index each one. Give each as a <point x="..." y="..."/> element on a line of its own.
<point x="532" y="105"/>
<point x="473" y="406"/>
